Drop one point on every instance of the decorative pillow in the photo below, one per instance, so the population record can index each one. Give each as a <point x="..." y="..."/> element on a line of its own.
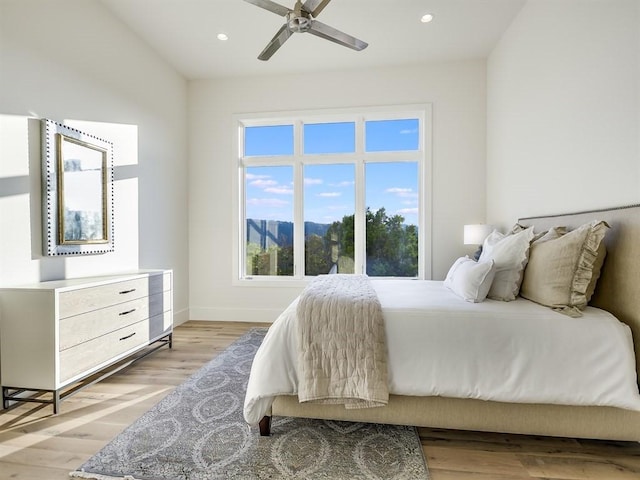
<point x="551" y="234"/>
<point x="562" y="272"/>
<point x="470" y="280"/>
<point x="510" y="254"/>
<point x="517" y="228"/>
<point x="449" y="278"/>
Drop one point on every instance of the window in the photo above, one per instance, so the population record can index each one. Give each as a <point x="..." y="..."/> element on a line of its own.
<point x="392" y="219"/>
<point x="329" y="193"/>
<point x="336" y="192"/>
<point x="269" y="221"/>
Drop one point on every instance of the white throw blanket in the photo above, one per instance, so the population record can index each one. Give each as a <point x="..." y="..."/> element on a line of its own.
<point x="342" y="348"/>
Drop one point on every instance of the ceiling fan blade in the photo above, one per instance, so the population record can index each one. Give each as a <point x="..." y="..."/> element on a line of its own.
<point x="322" y="30"/>
<point x="314" y="7"/>
<point x="276" y="42"/>
<point x="271" y="6"/>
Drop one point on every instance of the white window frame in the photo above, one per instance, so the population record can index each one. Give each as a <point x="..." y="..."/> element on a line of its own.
<point x="423" y="112"/>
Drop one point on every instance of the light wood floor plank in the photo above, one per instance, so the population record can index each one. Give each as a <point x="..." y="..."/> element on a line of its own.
<point x="477" y="461"/>
<point x="439" y="474"/>
<point x="37" y="445"/>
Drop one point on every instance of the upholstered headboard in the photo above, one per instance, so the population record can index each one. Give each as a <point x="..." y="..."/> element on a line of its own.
<point x="618" y="289"/>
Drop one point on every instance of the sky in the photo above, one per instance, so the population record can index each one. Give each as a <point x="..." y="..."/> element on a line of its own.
<point x="329" y="190"/>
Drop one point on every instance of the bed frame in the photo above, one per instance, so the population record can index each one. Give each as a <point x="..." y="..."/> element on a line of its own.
<point x="618" y="291"/>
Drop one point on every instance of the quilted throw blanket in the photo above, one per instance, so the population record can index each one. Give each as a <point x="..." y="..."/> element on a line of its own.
<point x="342" y="356"/>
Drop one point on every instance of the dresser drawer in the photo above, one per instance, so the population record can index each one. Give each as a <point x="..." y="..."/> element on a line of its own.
<point x="85" y="356"/>
<point x="83" y="300"/>
<point x="82" y="328"/>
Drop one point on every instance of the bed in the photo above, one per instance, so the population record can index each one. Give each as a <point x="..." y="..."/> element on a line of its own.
<point x="528" y="411"/>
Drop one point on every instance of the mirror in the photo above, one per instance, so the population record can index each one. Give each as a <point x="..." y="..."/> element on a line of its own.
<point x="77" y="191"/>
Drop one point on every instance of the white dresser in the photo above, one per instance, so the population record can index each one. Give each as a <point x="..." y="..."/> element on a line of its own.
<point x="61" y="335"/>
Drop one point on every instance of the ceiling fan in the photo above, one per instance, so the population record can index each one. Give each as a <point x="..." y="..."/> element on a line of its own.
<point x="300" y="20"/>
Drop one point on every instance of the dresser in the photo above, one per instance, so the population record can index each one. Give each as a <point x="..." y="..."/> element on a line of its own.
<point x="58" y="336"/>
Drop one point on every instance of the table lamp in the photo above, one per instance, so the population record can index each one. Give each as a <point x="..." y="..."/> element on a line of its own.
<point x="475" y="235"/>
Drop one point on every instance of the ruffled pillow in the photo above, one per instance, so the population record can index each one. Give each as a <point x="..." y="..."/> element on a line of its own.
<point x="510" y="254"/>
<point x="551" y="234"/>
<point x="555" y="232"/>
<point x="469" y="279"/>
<point x="562" y="272"/>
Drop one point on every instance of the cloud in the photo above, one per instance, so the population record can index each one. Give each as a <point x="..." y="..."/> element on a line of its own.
<point x="408" y="131"/>
<point x="253" y="176"/>
<point x="398" y="190"/>
<point x="329" y="194"/>
<point x="312" y="181"/>
<point x="402" y="192"/>
<point x="262" y="183"/>
<point x="408" y="211"/>
<point x="346" y="183"/>
<point x="279" y="190"/>
<point x="267" y="202"/>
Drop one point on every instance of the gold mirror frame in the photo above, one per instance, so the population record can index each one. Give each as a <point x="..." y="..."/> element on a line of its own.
<point x="77" y="191"/>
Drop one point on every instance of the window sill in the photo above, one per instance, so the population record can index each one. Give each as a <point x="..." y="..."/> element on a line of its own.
<point x="295" y="282"/>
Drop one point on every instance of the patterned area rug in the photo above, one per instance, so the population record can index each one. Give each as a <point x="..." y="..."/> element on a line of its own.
<point x="197" y="432"/>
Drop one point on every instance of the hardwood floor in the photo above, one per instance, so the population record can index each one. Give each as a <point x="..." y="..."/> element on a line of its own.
<point x="36" y="445"/>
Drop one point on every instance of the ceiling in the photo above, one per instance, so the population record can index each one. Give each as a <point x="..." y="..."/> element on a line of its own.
<point x="184" y="33"/>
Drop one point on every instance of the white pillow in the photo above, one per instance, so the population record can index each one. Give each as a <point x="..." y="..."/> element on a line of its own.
<point x="510" y="254"/>
<point x="469" y="279"/>
<point x="449" y="278"/>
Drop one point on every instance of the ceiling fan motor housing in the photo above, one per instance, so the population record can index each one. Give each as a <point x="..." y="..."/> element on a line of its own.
<point x="298" y="23"/>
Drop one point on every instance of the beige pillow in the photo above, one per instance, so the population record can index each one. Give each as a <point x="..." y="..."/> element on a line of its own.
<point x="562" y="272"/>
<point x="551" y="234"/>
<point x="517" y="228"/>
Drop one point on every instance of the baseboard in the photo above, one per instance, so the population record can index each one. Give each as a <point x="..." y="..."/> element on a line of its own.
<point x="267" y="315"/>
<point x="180" y="316"/>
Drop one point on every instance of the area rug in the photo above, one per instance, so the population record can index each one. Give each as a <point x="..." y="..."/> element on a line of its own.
<point x="197" y="432"/>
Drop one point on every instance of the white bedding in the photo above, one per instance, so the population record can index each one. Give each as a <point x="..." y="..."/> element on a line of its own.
<point x="440" y="345"/>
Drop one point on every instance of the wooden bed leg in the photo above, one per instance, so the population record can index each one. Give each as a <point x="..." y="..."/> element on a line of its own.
<point x="265" y="426"/>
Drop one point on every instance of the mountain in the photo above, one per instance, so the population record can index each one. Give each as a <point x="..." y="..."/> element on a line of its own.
<point x="267" y="233"/>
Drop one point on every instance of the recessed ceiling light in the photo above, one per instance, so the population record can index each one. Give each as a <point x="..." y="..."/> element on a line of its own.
<point x="223" y="37"/>
<point x="426" y="18"/>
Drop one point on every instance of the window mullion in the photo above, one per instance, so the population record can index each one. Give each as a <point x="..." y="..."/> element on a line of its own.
<point x="359" y="234"/>
<point x="298" y="219"/>
<point x="298" y="202"/>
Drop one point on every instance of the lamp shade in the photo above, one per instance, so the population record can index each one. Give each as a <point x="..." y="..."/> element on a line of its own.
<point x="475" y="234"/>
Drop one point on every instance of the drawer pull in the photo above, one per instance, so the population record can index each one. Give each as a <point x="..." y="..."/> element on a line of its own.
<point x="127" y="291"/>
<point x="128" y="336"/>
<point x="127" y="312"/>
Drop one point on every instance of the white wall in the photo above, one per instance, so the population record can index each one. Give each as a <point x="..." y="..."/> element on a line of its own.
<point x="563" y="106"/>
<point x="457" y="94"/>
<point x="73" y="61"/>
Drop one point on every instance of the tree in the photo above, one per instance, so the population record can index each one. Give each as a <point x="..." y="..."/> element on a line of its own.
<point x="317" y="257"/>
<point x="339" y="240"/>
<point x="391" y="249"/>
<point x="391" y="246"/>
<point x="274" y="260"/>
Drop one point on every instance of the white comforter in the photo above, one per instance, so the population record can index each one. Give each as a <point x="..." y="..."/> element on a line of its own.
<point x="440" y="345"/>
